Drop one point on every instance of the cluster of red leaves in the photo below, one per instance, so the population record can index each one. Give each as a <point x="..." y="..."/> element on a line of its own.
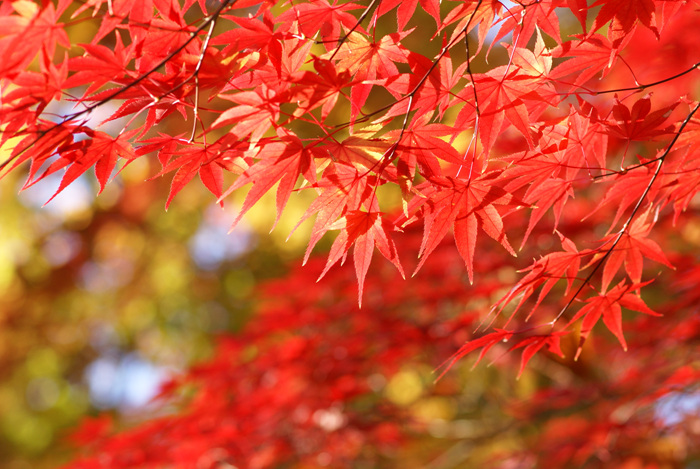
<point x="343" y="100"/>
<point x="300" y="66"/>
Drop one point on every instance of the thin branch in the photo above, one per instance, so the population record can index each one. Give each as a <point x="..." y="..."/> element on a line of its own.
<point x="642" y="87"/>
<point x="623" y="230"/>
<point x="476" y="98"/>
<point x="196" y="76"/>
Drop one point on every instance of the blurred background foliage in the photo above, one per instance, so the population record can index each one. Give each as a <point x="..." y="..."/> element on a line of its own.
<point x="101" y="298"/>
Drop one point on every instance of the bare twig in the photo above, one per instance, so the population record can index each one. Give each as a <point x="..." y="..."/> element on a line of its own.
<point x="212" y="24"/>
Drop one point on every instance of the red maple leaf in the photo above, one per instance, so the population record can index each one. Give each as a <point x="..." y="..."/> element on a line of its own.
<point x="100" y="150"/>
<point x="362" y="231"/>
<point x="187" y="161"/>
<point x="420" y="146"/>
<point x="256" y="112"/>
<point x="466" y="206"/>
<point x="321" y="16"/>
<point x="429" y="85"/>
<point x="367" y="60"/>
<point x="632" y="247"/>
<point x="342" y="189"/>
<point x="638" y="123"/>
<point x="545" y="272"/>
<point x="523" y="19"/>
<point x="588" y="56"/>
<point x="278" y="162"/>
<point x="531" y="345"/>
<point x="623" y="16"/>
<point x="485" y="343"/>
<point x="320" y="89"/>
<point x="608" y="305"/>
<point x="507" y="96"/>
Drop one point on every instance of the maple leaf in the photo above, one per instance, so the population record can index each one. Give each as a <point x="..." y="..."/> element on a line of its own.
<point x="321" y="16"/>
<point x="368" y="60"/>
<point x="554" y="193"/>
<point x="24" y="35"/>
<point x="485" y="343"/>
<point x="168" y="38"/>
<point x="101" y="65"/>
<point x="632" y="247"/>
<point x="430" y="86"/>
<point x="609" y="307"/>
<point x="587" y="141"/>
<point x="623" y="16"/>
<point x="635" y="184"/>
<point x="588" y="56"/>
<point x="208" y="161"/>
<point x="256" y="113"/>
<point x="320" y="89"/>
<point x="140" y="14"/>
<point x="538" y="62"/>
<point x="522" y="20"/>
<point x="254" y="35"/>
<point x="545" y="272"/>
<point x="420" y="146"/>
<point x="364" y="151"/>
<point x="531" y="345"/>
<point x="466" y="206"/>
<point x="506" y="97"/>
<point x="341" y="189"/>
<point x="138" y="101"/>
<point x="638" y="123"/>
<point x="362" y="231"/>
<point x="540" y="170"/>
<point x="686" y="184"/>
<point x="471" y="15"/>
<point x="34" y="91"/>
<point x="282" y="162"/>
<point x="41" y="142"/>
<point x="99" y="150"/>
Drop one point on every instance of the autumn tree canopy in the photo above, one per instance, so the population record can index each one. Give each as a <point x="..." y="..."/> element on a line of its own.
<point x="528" y="172"/>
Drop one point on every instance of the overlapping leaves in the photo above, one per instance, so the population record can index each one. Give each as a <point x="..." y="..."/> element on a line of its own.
<point x="336" y="98"/>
